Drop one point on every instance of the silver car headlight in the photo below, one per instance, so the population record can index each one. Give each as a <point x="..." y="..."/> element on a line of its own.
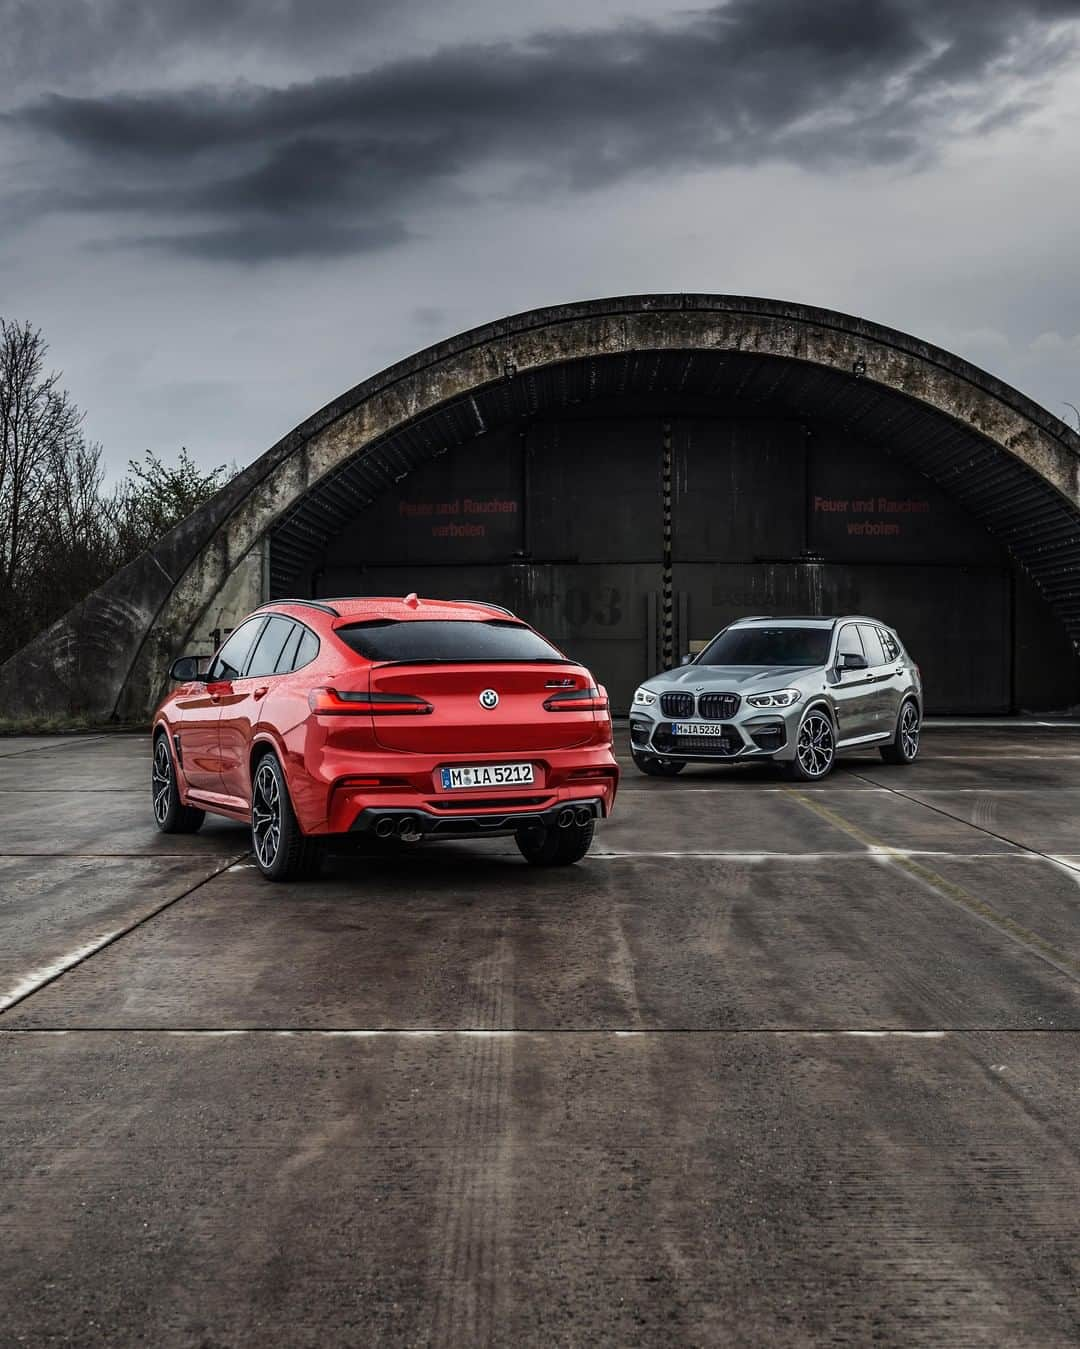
<point x="781" y="698"/>
<point x="643" y="698"/>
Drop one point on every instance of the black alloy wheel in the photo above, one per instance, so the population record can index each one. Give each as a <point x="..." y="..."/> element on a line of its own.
<point x="905" y="745"/>
<point x="283" y="852"/>
<point x="170" y="814"/>
<point x="815" y="748"/>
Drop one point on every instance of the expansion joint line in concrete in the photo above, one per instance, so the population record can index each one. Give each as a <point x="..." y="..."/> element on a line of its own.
<point x="38" y="980"/>
<point x="73" y="743"/>
<point x="947" y="889"/>
<point x="550" y="1032"/>
<point x="982" y="829"/>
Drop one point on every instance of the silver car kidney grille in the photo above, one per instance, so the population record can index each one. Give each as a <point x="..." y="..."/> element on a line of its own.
<point x="718" y="706"/>
<point x="677" y="704"/>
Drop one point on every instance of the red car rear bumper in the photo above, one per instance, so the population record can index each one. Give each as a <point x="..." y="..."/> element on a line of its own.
<point x="398" y="783"/>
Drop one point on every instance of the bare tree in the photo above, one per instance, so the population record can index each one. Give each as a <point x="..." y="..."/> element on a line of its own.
<point x="39" y="429"/>
<point x="77" y="539"/>
<point x="61" y="535"/>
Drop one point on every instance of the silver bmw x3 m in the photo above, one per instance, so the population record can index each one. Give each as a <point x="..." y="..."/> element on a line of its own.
<point x="795" y="690"/>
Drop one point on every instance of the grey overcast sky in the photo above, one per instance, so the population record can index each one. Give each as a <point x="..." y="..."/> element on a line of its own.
<point x="224" y="212"/>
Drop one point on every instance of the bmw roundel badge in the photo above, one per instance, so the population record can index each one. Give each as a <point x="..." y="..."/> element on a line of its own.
<point x="489" y="699"/>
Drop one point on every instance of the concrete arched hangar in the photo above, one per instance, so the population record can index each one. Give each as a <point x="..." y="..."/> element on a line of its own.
<point x="629" y="475"/>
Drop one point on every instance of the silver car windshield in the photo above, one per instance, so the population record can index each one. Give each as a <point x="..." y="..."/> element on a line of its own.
<point x="768" y="646"/>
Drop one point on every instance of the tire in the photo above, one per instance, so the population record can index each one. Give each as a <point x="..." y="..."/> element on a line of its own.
<point x="283" y="852"/>
<point x="655" y="767"/>
<point x="170" y="814"/>
<point x="556" y="847"/>
<point x="905" y="744"/>
<point x="815" y="748"/>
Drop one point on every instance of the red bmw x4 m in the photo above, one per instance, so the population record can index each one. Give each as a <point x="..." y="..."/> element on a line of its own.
<point x="410" y="719"/>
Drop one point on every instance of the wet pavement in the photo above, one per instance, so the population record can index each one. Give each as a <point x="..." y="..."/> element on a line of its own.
<point x="775" y="1065"/>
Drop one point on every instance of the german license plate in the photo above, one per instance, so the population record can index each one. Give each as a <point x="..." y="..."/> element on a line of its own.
<point x="487" y="775"/>
<point x="714" y="728"/>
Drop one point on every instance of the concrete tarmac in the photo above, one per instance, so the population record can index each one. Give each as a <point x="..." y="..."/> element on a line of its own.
<point x="774" y="1065"/>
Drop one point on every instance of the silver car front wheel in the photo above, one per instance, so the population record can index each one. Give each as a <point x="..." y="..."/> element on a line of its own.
<point x="815" y="748"/>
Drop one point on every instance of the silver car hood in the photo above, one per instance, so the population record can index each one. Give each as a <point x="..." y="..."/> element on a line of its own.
<point x="729" y="677"/>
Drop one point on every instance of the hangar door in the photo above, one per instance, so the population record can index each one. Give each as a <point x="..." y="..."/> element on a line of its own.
<point x="566" y="522"/>
<point x="560" y="523"/>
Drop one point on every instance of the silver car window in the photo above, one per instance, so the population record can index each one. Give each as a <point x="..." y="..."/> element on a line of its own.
<point x="849" y="643"/>
<point x="875" y="653"/>
<point x="745" y="645"/>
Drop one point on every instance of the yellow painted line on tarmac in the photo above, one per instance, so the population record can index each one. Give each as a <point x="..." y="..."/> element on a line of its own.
<point x="947" y="889"/>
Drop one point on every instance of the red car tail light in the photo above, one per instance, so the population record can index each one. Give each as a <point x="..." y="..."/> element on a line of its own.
<point x="340" y="702"/>
<point x="577" y="700"/>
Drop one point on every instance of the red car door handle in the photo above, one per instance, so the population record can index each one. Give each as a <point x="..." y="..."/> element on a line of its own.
<point x="261" y="693"/>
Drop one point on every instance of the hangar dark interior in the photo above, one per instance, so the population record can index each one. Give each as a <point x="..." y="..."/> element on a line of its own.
<point x="787" y="488"/>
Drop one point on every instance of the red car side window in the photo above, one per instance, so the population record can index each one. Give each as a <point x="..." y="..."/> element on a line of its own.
<point x="230" y="660"/>
<point x="309" y="649"/>
<point x="271" y="645"/>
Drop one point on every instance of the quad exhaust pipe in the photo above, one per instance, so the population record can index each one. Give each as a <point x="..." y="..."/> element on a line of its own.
<point x="411" y="827"/>
<point x="406" y="827"/>
<point x="569" y="816"/>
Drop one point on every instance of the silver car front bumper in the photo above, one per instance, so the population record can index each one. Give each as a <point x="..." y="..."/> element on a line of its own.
<point x="750" y="734"/>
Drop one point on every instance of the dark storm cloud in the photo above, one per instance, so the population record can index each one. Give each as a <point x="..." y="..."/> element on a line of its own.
<point x="248" y="172"/>
<point x="46" y="41"/>
<point x="274" y="240"/>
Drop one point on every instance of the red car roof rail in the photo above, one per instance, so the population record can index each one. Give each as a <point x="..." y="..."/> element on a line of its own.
<point x="311" y="604"/>
<point x="486" y="604"/>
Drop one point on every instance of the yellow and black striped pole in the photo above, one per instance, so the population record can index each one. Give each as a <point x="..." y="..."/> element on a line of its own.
<point x="667" y="598"/>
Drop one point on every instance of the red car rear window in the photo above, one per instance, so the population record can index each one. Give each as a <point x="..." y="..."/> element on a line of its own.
<point x="448" y="640"/>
